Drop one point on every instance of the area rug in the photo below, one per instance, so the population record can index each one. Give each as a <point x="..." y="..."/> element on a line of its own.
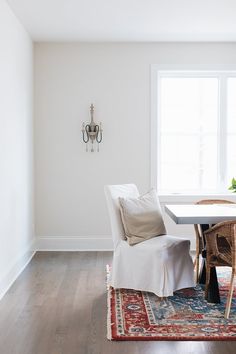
<point x="137" y="315"/>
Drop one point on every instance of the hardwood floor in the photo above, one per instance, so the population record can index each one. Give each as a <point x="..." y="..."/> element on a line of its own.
<point x="58" y="306"/>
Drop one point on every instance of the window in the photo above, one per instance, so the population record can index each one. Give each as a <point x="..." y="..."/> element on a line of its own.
<point x="231" y="128"/>
<point x="196" y="131"/>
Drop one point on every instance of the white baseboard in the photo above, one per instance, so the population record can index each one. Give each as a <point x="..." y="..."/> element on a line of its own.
<point x="16" y="269"/>
<point x="54" y="243"/>
<point x="73" y="243"/>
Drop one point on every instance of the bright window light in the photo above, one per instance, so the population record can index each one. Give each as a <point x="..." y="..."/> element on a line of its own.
<point x="231" y="128"/>
<point x="196" y="131"/>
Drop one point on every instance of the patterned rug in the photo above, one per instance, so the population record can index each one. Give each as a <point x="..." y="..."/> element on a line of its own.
<point x="136" y="315"/>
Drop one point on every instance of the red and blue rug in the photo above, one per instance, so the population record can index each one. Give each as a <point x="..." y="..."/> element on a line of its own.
<point x="136" y="315"/>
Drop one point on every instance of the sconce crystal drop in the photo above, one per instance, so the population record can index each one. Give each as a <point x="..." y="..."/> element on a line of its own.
<point x="92" y="132"/>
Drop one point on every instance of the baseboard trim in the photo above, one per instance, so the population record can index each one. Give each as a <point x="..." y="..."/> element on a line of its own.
<point x="54" y="243"/>
<point x="73" y="243"/>
<point x="15" y="271"/>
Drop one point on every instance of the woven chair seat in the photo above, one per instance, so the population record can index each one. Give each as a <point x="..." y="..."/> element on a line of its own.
<point x="219" y="261"/>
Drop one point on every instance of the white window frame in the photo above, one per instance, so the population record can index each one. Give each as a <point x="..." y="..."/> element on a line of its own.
<point x="158" y="71"/>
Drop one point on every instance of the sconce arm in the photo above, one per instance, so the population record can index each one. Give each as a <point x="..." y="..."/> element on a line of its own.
<point x="99" y="131"/>
<point x="87" y="134"/>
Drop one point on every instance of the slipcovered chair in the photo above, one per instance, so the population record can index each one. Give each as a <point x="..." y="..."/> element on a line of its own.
<point x="160" y="265"/>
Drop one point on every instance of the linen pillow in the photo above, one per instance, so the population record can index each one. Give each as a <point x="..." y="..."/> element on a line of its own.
<point x="142" y="217"/>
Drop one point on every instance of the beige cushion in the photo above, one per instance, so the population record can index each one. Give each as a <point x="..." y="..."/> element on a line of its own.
<point x="142" y="217"/>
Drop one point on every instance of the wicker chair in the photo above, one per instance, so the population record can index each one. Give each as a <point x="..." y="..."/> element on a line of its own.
<point x="199" y="229"/>
<point x="221" y="251"/>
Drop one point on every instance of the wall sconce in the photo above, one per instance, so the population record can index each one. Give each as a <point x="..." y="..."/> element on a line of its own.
<point x="92" y="132"/>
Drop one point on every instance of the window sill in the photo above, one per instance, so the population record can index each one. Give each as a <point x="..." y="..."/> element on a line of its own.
<point x="194" y="197"/>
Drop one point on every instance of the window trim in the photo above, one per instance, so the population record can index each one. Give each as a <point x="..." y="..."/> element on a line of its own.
<point x="156" y="71"/>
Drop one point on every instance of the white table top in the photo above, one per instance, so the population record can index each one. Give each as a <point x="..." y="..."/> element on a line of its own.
<point x="201" y="214"/>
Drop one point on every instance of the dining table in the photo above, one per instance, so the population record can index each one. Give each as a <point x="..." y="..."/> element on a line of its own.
<point x="205" y="215"/>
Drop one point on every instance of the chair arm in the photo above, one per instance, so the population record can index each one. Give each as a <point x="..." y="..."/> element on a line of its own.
<point x="211" y="240"/>
<point x="220" y="227"/>
<point x="225" y="229"/>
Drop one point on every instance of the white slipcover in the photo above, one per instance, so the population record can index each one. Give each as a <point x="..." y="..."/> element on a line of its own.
<point x="160" y="265"/>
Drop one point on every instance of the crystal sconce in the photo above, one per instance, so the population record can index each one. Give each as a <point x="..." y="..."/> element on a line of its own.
<point x="92" y="132"/>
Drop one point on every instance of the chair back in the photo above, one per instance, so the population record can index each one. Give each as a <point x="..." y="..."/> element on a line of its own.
<point x="214" y="201"/>
<point x="199" y="229"/>
<point x="112" y="193"/>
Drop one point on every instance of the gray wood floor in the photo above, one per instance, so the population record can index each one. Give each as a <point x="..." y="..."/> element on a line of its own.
<point x="58" y="306"/>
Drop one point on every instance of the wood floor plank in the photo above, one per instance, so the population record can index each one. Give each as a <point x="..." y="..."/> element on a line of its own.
<point x="58" y="306"/>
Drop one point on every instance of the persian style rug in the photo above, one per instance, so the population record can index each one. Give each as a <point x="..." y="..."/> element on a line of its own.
<point x="136" y="315"/>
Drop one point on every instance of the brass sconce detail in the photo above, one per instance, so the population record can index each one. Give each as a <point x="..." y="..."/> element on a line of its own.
<point x="92" y="132"/>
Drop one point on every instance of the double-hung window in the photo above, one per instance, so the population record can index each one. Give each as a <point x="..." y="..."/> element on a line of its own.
<point x="195" y="113"/>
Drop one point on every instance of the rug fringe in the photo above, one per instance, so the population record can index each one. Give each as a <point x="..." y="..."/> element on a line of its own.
<point x="108" y="305"/>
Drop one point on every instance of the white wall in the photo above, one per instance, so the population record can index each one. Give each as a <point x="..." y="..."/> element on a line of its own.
<point x="70" y="204"/>
<point x="16" y="222"/>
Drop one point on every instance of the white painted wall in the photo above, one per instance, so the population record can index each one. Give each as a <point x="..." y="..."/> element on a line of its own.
<point x="16" y="207"/>
<point x="70" y="204"/>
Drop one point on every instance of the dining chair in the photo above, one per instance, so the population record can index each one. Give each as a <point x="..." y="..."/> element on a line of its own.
<point x="160" y="265"/>
<point x="199" y="230"/>
<point x="221" y="251"/>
